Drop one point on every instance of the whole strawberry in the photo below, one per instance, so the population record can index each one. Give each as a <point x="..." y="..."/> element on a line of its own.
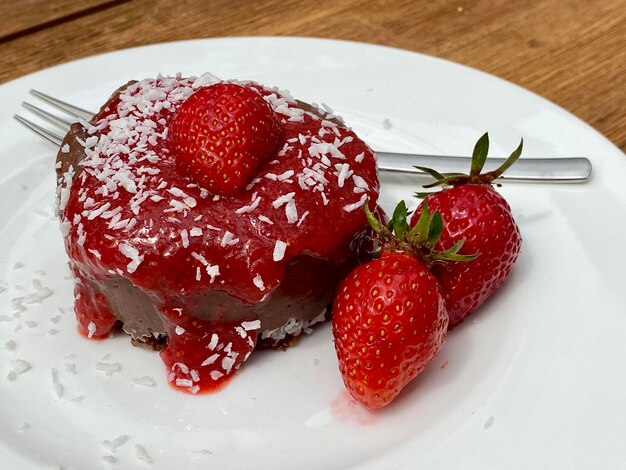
<point x="478" y="214"/>
<point x="389" y="318"/>
<point x="222" y="134"/>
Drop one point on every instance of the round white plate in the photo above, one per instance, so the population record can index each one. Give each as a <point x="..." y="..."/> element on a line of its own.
<point x="533" y="380"/>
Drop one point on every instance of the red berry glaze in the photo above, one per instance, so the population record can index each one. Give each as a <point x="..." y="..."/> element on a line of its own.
<point x="222" y="134"/>
<point x="203" y="355"/>
<point x="389" y="322"/>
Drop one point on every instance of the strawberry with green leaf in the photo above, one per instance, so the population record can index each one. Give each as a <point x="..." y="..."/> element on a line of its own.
<point x="476" y="213"/>
<point x="389" y="318"/>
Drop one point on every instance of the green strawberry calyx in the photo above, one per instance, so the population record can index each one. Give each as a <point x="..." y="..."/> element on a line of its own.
<point x="419" y="240"/>
<point x="479" y="157"/>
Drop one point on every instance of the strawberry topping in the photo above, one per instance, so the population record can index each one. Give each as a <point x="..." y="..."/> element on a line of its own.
<point x="222" y="134"/>
<point x="202" y="355"/>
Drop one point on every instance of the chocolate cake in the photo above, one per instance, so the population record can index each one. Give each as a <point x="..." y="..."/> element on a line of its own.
<point x="202" y="277"/>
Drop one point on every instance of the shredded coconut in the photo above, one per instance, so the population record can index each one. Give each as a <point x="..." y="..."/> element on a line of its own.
<point x="258" y="282"/>
<point x="133" y="254"/>
<point x="113" y="445"/>
<point x="108" y="367"/>
<point x="229" y="239"/>
<point x="56" y="386"/>
<point x="210" y="360"/>
<point x="17" y="367"/>
<point x="294" y="327"/>
<point x="184" y="237"/>
<point x="213" y="343"/>
<point x="141" y="454"/>
<point x="356" y="205"/>
<point x="251" y="325"/>
<point x="145" y="381"/>
<point x="284" y="199"/>
<point x="279" y="250"/>
<point x="249" y="208"/>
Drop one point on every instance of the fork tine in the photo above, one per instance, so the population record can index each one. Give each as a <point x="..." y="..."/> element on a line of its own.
<point x="41" y="131"/>
<point x="74" y="111"/>
<point x="58" y="121"/>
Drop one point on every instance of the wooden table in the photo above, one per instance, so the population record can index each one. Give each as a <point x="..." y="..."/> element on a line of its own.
<point x="573" y="52"/>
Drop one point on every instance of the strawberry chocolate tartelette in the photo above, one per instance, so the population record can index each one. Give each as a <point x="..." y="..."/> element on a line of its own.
<point x="208" y="218"/>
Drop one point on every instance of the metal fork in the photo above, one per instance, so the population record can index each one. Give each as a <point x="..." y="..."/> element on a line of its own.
<point x="554" y="170"/>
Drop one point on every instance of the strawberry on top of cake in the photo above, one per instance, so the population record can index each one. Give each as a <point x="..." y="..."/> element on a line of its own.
<point x="209" y="217"/>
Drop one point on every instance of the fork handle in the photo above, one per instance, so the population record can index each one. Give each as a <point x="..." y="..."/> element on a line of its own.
<point x="572" y="170"/>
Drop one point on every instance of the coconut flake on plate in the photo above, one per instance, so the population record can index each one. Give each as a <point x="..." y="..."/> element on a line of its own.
<point x="141" y="454"/>
<point x="108" y="367"/>
<point x="56" y="385"/>
<point x="17" y="367"/>
<point x="144" y="381"/>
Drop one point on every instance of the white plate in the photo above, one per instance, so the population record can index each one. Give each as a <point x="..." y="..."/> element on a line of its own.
<point x="534" y="380"/>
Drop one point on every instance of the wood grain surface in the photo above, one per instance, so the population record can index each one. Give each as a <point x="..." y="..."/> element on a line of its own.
<point x="571" y="52"/>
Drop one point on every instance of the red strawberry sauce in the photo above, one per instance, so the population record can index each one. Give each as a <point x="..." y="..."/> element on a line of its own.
<point x="213" y="268"/>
